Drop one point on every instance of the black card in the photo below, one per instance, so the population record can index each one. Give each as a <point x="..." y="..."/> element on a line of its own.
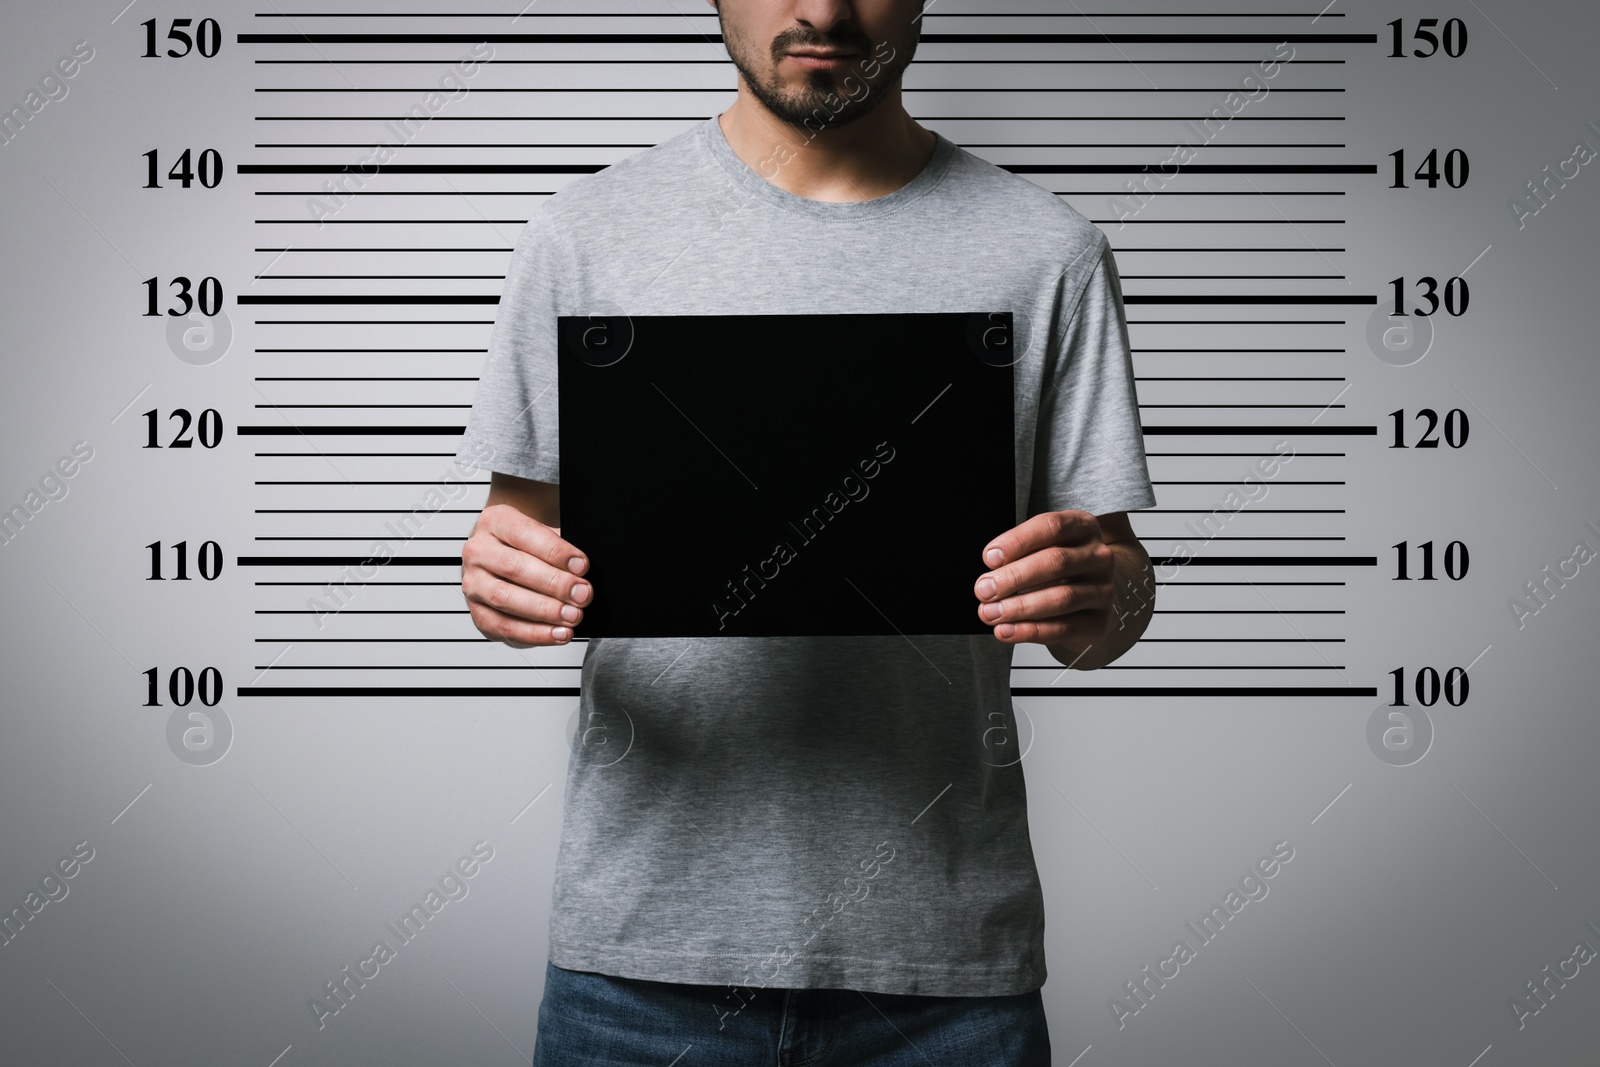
<point x="785" y="475"/>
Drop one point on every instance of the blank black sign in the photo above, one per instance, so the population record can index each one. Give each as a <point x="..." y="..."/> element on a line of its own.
<point x="785" y="475"/>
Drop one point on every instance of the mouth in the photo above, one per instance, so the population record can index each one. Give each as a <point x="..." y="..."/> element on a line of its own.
<point x="821" y="59"/>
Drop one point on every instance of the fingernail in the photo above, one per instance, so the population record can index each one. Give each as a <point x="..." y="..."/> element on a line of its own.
<point x="994" y="557"/>
<point x="990" y="612"/>
<point x="570" y="613"/>
<point x="986" y="588"/>
<point x="580" y="593"/>
<point x="560" y="633"/>
<point x="1005" y="629"/>
<point x="575" y="564"/>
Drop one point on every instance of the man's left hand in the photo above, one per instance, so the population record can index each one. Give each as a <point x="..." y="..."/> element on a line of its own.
<point x="1050" y="583"/>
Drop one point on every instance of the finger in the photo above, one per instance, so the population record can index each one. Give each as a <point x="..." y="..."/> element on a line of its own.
<point x="1045" y="528"/>
<point x="507" y="598"/>
<point x="1048" y="603"/>
<point x="1048" y="566"/>
<point x="488" y="554"/>
<point x="518" y="633"/>
<point x="533" y="537"/>
<point x="1047" y="631"/>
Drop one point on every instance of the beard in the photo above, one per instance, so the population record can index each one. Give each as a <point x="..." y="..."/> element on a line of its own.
<point x="796" y="101"/>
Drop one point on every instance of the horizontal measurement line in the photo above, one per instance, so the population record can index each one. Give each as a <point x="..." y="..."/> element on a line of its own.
<point x="1195" y="691"/>
<point x="721" y="90"/>
<point x="1320" y="407"/>
<point x="387" y="379"/>
<point x="280" y="667"/>
<point x="408" y="691"/>
<point x="346" y="431"/>
<point x="964" y="144"/>
<point x="344" y="561"/>
<point x="480" y="221"/>
<point x="1162" y="222"/>
<point x="388" y="407"/>
<point x="1232" y="349"/>
<point x="1110" y="192"/>
<point x="1267" y="561"/>
<point x="455" y="560"/>
<point x="375" y="322"/>
<point x="427" y="168"/>
<point x="1137" y="378"/>
<point x="1359" y="431"/>
<point x="465" y="611"/>
<point x="502" y="277"/>
<point x="582" y="640"/>
<point x="446" y="431"/>
<point x="259" y="299"/>
<point x="529" y="144"/>
<point x="1123" y="250"/>
<point x="925" y="118"/>
<point x="402" y="611"/>
<point x="1174" y="454"/>
<point x="1125" y="277"/>
<point x="1016" y="691"/>
<point x="926" y="18"/>
<point x="727" y="63"/>
<point x="716" y="38"/>
<point x="379" y="298"/>
<point x="1124" y="192"/>
<point x="1196" y="168"/>
<point x="394" y="222"/>
<point x="1156" y="667"/>
<point x="1246" y="298"/>
<point x="386" y="349"/>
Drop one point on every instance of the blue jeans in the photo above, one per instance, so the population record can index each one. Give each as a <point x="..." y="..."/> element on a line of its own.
<point x="589" y="1020"/>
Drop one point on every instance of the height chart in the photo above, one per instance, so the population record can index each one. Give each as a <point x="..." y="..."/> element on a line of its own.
<point x="1338" y="804"/>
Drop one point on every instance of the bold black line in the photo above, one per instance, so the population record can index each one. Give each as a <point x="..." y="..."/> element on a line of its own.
<point x="716" y="38"/>
<point x="1266" y="561"/>
<point x="1016" y="691"/>
<point x="1357" y="431"/>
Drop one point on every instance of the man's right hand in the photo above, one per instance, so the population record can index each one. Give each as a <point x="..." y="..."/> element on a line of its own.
<point x="521" y="580"/>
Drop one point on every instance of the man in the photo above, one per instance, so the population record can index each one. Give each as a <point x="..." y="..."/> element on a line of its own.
<point x="809" y="846"/>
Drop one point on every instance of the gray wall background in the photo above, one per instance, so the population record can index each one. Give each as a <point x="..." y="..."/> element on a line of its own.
<point x="220" y="898"/>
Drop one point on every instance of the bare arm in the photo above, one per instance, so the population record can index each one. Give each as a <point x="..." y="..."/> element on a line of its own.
<point x="537" y="500"/>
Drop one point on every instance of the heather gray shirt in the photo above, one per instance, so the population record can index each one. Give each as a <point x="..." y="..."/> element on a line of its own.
<point x="812" y="812"/>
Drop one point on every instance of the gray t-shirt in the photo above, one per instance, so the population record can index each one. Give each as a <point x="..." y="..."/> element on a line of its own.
<point x="812" y="812"/>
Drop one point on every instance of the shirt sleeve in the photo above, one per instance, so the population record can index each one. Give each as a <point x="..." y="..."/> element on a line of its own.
<point x="513" y="426"/>
<point x="1089" y="447"/>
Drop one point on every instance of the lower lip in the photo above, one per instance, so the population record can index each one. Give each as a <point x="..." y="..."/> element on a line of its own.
<point x="821" y="62"/>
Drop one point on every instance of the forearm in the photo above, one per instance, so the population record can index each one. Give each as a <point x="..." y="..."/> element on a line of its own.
<point x="1132" y="604"/>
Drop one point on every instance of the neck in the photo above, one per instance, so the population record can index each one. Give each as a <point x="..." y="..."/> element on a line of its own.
<point x="867" y="159"/>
